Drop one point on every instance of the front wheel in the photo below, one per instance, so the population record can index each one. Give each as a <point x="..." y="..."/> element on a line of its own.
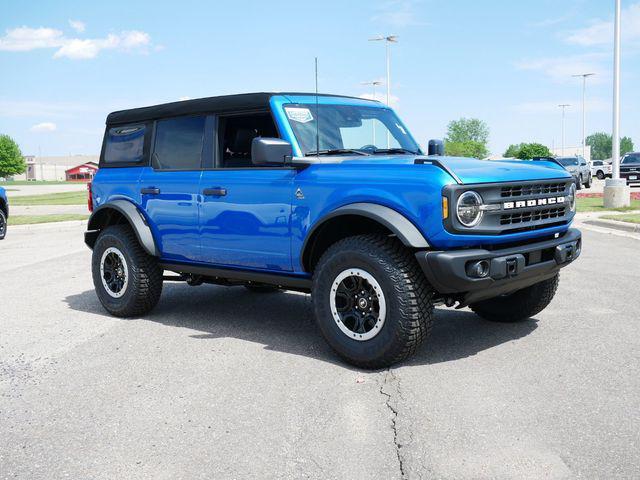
<point x="372" y="302"/>
<point x="588" y="183"/>
<point x="519" y="305"/>
<point x="128" y="281"/>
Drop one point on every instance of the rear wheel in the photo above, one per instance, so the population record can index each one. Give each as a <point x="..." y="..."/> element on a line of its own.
<point x="128" y="281"/>
<point x="519" y="305"/>
<point x="600" y="175"/>
<point x="372" y="302"/>
<point x="3" y="224"/>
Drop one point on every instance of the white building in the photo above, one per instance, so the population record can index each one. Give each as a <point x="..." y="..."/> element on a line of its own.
<point x="52" y="168"/>
<point x="573" y="152"/>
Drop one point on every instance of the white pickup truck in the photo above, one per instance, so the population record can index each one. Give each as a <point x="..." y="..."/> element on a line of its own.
<point x="600" y="169"/>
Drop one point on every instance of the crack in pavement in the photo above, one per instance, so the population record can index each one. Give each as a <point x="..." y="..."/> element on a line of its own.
<point x="390" y="379"/>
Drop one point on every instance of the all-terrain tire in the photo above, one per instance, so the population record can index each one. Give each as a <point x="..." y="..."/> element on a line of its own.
<point x="406" y="293"/>
<point x="519" y="305"/>
<point x="144" y="275"/>
<point x="3" y="224"/>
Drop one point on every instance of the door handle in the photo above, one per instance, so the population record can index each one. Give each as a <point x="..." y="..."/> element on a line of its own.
<point x="216" y="192"/>
<point x="150" y="191"/>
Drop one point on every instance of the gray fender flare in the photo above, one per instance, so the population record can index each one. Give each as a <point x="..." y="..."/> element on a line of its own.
<point x="134" y="217"/>
<point x="402" y="227"/>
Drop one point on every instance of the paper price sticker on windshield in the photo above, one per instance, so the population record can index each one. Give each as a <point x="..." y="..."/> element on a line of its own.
<point x="297" y="114"/>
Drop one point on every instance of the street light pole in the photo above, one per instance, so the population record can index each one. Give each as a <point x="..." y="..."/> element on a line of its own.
<point x="374" y="84"/>
<point x="563" y="106"/>
<point x="387" y="40"/>
<point x="616" y="192"/>
<point x="584" y="115"/>
<point x="616" y="97"/>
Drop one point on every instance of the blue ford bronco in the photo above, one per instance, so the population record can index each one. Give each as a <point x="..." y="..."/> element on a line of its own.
<point x="4" y="213"/>
<point x="329" y="195"/>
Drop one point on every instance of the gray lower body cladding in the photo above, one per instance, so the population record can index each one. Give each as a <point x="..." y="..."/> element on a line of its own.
<point x="454" y="273"/>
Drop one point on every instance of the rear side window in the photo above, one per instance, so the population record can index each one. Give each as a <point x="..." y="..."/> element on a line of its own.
<point x="178" y="143"/>
<point x="125" y="144"/>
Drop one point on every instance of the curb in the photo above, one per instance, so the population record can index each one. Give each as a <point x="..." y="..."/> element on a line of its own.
<point x="47" y="226"/>
<point x="624" y="226"/>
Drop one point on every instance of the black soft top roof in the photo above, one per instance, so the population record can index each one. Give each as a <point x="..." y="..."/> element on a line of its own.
<point x="224" y="103"/>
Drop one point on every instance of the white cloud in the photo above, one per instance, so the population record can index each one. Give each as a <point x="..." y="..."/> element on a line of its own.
<point x="184" y="98"/>
<point x="398" y="13"/>
<point x="77" y="25"/>
<point x="600" y="32"/>
<point x="44" y="127"/>
<point x="25" y="39"/>
<point x="560" y="69"/>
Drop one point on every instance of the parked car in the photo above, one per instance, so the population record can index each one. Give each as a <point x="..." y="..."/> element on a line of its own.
<point x="4" y="213"/>
<point x="630" y="167"/>
<point x="329" y="195"/>
<point x="578" y="168"/>
<point x="600" y="169"/>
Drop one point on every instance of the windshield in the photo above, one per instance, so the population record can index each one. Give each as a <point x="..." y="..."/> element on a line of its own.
<point x="567" y="162"/>
<point x="348" y="129"/>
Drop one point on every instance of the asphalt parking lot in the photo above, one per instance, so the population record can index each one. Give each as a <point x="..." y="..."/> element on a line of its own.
<point x="223" y="383"/>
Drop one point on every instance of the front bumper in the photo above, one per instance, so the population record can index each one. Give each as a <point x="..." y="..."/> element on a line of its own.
<point x="451" y="273"/>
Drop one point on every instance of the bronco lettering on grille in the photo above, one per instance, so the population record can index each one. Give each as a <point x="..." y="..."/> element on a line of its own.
<point x="532" y="203"/>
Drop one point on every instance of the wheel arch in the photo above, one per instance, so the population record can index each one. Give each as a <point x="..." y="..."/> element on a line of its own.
<point x="356" y="219"/>
<point x="119" y="212"/>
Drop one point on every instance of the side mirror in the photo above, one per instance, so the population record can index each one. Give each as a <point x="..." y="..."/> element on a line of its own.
<point x="435" y="147"/>
<point x="270" y="151"/>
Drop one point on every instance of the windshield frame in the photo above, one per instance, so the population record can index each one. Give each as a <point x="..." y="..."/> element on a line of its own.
<point x="278" y="104"/>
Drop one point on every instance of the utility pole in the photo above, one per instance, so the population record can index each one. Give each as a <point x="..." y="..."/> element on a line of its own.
<point x="584" y="115"/>
<point x="563" y="106"/>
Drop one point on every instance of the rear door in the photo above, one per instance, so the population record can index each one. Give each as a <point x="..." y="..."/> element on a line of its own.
<point x="245" y="212"/>
<point x="169" y="187"/>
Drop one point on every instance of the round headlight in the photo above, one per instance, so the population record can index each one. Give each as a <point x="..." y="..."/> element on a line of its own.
<point x="468" y="209"/>
<point x="572" y="197"/>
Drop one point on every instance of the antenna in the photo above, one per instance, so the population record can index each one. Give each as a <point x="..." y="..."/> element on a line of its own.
<point x="317" y="115"/>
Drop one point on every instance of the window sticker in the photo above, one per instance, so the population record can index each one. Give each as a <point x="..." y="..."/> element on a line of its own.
<point x="300" y="115"/>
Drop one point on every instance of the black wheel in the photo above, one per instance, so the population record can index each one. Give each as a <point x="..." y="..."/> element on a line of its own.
<point x="600" y="175"/>
<point x="579" y="183"/>
<point x="372" y="302"/>
<point x="3" y="224"/>
<point x="588" y="184"/>
<point x="128" y="281"/>
<point x="519" y="305"/>
<point x="262" y="288"/>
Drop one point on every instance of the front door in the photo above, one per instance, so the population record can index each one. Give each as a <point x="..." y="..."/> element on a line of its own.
<point x="245" y="211"/>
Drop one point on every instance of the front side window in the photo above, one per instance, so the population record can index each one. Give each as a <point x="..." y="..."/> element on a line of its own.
<point x="124" y="144"/>
<point x="348" y="129"/>
<point x="178" y="143"/>
<point x="236" y="134"/>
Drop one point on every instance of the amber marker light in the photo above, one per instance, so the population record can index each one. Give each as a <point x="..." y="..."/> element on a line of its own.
<point x="445" y="208"/>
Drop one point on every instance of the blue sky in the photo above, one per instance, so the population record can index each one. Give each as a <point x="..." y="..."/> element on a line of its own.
<point x="65" y="64"/>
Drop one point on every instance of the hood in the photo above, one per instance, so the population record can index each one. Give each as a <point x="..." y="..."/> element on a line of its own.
<point x="472" y="170"/>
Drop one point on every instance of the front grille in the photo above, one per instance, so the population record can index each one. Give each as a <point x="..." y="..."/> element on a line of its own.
<point x="532" y="216"/>
<point x="532" y="189"/>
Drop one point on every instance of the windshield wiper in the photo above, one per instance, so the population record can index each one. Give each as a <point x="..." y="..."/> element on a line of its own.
<point x="334" y="151"/>
<point x="394" y="150"/>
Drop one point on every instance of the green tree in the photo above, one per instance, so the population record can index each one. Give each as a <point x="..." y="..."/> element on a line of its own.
<point x="11" y="161"/>
<point x="467" y="137"/>
<point x="513" y="150"/>
<point x="531" y="150"/>
<point x="601" y="145"/>
<point x="465" y="149"/>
